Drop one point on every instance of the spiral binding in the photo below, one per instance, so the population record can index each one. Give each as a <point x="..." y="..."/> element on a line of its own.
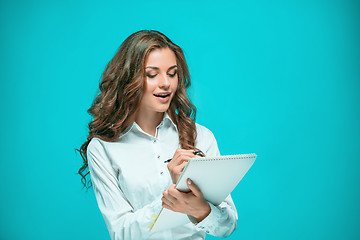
<point x="225" y="157"/>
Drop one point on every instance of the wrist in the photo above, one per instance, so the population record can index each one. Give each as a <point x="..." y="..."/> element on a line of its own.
<point x="204" y="213"/>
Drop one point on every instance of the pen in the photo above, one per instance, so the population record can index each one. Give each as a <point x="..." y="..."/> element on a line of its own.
<point x="195" y="153"/>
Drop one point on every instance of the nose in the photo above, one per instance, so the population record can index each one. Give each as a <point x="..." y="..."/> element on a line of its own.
<point x="164" y="82"/>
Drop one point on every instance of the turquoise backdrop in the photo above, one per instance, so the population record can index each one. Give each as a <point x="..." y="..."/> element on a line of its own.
<point x="277" y="78"/>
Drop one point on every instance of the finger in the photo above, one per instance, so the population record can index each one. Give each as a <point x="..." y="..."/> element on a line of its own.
<point x="170" y="198"/>
<point x="194" y="189"/>
<point x="191" y="152"/>
<point x="174" y="192"/>
<point x="180" y="154"/>
<point x="188" y="151"/>
<point x="177" y="153"/>
<point x="183" y="158"/>
<point x="167" y="201"/>
<point x="178" y="161"/>
<point x="164" y="205"/>
<point x="180" y="167"/>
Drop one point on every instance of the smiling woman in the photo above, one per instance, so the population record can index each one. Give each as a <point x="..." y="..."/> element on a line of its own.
<point x="160" y="87"/>
<point x="142" y="117"/>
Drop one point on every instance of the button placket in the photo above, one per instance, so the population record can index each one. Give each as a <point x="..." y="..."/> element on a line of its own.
<point x="157" y="153"/>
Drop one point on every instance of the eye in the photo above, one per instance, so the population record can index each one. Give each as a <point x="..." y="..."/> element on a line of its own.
<point x="150" y="76"/>
<point x="173" y="75"/>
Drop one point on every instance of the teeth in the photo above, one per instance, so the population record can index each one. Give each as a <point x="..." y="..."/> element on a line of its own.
<point x="161" y="95"/>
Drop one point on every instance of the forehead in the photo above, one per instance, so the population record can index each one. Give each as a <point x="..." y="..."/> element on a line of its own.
<point x="161" y="58"/>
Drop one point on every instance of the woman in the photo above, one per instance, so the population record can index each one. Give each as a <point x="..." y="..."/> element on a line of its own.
<point x="142" y="117"/>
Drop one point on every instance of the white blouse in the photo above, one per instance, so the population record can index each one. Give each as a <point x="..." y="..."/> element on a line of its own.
<point x="129" y="176"/>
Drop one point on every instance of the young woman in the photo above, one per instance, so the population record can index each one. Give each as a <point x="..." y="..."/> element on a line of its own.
<point x="143" y="117"/>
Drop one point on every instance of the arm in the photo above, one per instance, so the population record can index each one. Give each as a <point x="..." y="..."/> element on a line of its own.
<point x="222" y="220"/>
<point x="218" y="220"/>
<point x="120" y="218"/>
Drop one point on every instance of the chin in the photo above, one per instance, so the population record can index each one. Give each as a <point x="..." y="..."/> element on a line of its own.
<point x="162" y="109"/>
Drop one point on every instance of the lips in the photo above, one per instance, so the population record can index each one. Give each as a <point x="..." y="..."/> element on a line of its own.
<point x="162" y="95"/>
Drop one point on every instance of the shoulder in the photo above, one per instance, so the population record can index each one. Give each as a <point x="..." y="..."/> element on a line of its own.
<point x="205" y="141"/>
<point x="203" y="132"/>
<point x="96" y="146"/>
<point x="204" y="137"/>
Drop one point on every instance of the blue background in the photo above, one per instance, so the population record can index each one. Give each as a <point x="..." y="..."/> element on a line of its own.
<point x="277" y="78"/>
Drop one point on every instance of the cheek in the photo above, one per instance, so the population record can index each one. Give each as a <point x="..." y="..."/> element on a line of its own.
<point x="174" y="85"/>
<point x="150" y="87"/>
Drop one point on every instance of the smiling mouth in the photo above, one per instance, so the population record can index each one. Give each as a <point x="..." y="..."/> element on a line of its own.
<point x="162" y="95"/>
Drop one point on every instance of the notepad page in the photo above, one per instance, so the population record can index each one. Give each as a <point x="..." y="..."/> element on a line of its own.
<point x="216" y="177"/>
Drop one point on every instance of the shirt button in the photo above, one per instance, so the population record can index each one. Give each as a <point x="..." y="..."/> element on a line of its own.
<point x="161" y="173"/>
<point x="158" y="157"/>
<point x="207" y="231"/>
<point x="155" y="141"/>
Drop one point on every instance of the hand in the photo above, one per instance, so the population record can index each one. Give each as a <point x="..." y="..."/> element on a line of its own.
<point x="191" y="203"/>
<point x="178" y="162"/>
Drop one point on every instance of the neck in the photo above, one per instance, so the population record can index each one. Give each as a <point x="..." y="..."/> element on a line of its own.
<point x="148" y="121"/>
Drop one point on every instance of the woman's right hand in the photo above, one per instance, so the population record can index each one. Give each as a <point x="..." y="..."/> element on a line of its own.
<point x="178" y="162"/>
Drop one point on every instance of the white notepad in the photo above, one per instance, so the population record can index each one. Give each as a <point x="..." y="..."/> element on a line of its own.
<point x="215" y="176"/>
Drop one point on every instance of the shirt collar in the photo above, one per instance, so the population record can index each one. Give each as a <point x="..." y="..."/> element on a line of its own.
<point x="167" y="118"/>
<point x="134" y="125"/>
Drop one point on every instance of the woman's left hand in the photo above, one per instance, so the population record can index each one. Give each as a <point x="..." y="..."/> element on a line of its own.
<point x="191" y="203"/>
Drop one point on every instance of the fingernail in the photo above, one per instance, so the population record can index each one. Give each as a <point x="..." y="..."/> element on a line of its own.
<point x="189" y="181"/>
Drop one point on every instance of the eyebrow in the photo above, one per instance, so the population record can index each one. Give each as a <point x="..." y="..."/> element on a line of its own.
<point x="156" y="68"/>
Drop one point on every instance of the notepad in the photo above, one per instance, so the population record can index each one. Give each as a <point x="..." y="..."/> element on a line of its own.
<point x="215" y="176"/>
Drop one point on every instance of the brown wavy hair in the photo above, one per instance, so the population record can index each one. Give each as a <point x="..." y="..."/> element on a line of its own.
<point x="121" y="89"/>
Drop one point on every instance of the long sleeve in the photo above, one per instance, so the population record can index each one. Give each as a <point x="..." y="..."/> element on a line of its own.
<point x="222" y="220"/>
<point x="120" y="218"/>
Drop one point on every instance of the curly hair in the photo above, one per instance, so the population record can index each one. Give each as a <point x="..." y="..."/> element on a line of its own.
<point x="121" y="89"/>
